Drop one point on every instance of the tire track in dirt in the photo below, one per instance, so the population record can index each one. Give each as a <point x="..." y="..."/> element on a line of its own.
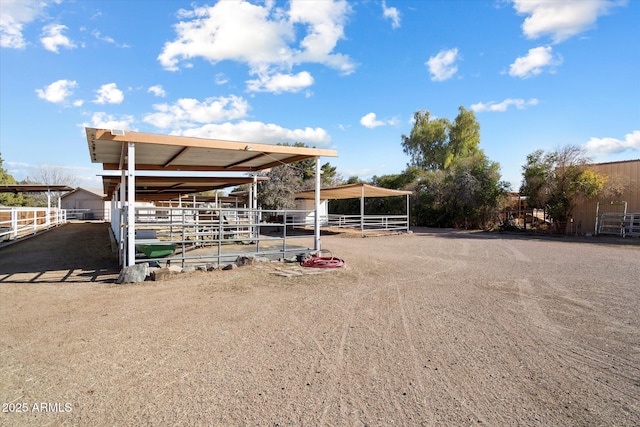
<point x="552" y="344"/>
<point x="464" y="358"/>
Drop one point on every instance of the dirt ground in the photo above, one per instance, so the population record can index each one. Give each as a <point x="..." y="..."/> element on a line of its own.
<point x="434" y="328"/>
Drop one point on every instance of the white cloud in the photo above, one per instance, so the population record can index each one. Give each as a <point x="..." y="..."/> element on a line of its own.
<point x="370" y="121"/>
<point x="605" y="146"/>
<point x="109" y="94"/>
<point x="107" y="39"/>
<point x="391" y="13"/>
<point x="103" y="120"/>
<point x="58" y="91"/>
<point x="52" y="38"/>
<point x="278" y="83"/>
<point x="188" y="112"/>
<point x="261" y="133"/>
<point x="501" y="107"/>
<point x="157" y="90"/>
<point x="324" y="21"/>
<point x="561" y="19"/>
<point x="261" y="36"/>
<point x="15" y="15"/>
<point x="442" y="66"/>
<point x="533" y="63"/>
<point x="221" y="79"/>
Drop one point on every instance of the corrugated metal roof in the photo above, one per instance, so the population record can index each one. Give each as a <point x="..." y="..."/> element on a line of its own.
<point x="180" y="153"/>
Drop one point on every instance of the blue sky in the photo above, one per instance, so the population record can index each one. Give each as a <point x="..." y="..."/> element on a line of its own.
<point x="333" y="74"/>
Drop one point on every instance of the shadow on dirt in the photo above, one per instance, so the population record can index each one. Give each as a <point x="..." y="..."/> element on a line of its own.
<point x="75" y="252"/>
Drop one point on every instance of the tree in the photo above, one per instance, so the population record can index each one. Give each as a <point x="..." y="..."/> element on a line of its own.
<point x="278" y="192"/>
<point x="436" y="144"/>
<point x="460" y="186"/>
<point x="50" y="175"/>
<point x="464" y="195"/>
<point x="306" y="169"/>
<point x="474" y="190"/>
<point x="426" y="144"/>
<point x="398" y="181"/>
<point x="352" y="180"/>
<point x="464" y="137"/>
<point x="558" y="179"/>
<point x="9" y="199"/>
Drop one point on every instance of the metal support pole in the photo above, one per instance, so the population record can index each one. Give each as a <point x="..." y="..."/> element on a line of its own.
<point x="362" y="211"/>
<point x="254" y="206"/>
<point x="14" y="223"/>
<point x="131" y="211"/>
<point x="48" y="220"/>
<point x="316" y="223"/>
<point x="123" y="219"/>
<point x="408" y="213"/>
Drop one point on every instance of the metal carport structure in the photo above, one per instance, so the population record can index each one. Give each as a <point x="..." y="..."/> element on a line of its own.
<point x="20" y="221"/>
<point x="129" y="152"/>
<point x="358" y="191"/>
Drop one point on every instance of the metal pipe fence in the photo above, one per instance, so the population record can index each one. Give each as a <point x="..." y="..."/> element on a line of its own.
<point x="88" y="214"/>
<point x="369" y="222"/>
<point x="18" y="222"/>
<point x="220" y="235"/>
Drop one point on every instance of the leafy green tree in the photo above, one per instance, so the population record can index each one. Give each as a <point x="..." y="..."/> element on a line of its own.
<point x="306" y="170"/>
<point x="460" y="186"/>
<point x="464" y="137"/>
<point x="352" y="180"/>
<point x="427" y="142"/>
<point x="398" y="181"/>
<point x="474" y="190"/>
<point x="558" y="179"/>
<point x="9" y="199"/>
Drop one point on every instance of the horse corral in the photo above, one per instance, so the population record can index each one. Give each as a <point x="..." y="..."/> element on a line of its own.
<point x="437" y="327"/>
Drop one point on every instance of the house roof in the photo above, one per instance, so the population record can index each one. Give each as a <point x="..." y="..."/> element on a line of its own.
<point x="93" y="191"/>
<point x="352" y="191"/>
<point x="164" y="188"/>
<point x="180" y="153"/>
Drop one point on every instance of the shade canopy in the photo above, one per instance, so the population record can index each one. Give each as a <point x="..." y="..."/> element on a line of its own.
<point x="32" y="188"/>
<point x="180" y="153"/>
<point x="162" y="188"/>
<point x="352" y="191"/>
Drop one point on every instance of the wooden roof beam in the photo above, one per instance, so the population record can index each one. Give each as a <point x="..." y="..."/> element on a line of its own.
<point x="177" y="156"/>
<point x="240" y="162"/>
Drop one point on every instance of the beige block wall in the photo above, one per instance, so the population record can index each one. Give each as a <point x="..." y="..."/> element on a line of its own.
<point x="626" y="173"/>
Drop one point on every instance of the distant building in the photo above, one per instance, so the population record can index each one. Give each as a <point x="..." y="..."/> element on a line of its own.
<point x="85" y="204"/>
<point x="626" y="175"/>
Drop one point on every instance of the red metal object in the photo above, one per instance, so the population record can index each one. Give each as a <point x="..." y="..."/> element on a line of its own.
<point x="323" y="262"/>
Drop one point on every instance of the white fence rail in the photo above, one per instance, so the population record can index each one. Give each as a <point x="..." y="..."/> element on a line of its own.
<point x="370" y="222"/>
<point x="17" y="222"/>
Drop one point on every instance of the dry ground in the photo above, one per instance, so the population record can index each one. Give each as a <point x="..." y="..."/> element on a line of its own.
<point x="434" y="328"/>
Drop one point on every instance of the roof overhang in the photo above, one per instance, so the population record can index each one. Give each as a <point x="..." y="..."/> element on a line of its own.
<point x="32" y="188"/>
<point x="352" y="191"/>
<point x="165" y="188"/>
<point x="180" y="153"/>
